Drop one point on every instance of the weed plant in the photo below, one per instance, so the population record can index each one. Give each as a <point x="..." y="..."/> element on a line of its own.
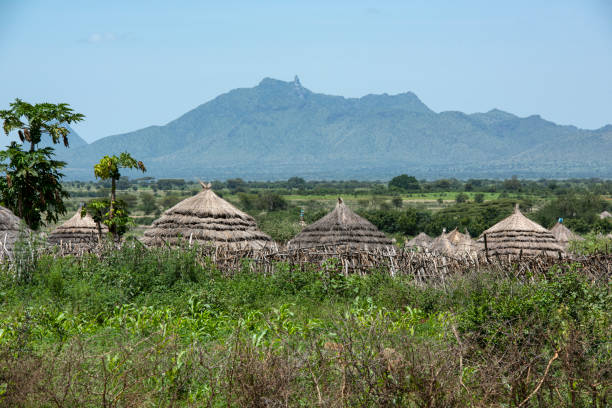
<point x="155" y="327"/>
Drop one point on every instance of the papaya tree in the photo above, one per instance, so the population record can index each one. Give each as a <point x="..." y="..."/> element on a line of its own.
<point x="109" y="169"/>
<point x="31" y="186"/>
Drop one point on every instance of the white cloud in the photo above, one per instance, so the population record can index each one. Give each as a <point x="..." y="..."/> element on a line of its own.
<point x="96" y="38"/>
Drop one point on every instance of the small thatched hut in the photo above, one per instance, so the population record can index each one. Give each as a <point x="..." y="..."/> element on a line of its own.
<point x="341" y="227"/>
<point x="207" y="219"/>
<point x="11" y="228"/>
<point x="605" y="214"/>
<point x="442" y="245"/>
<point x="422" y="241"/>
<point x="517" y="235"/>
<point x="564" y="235"/>
<point x="78" y="231"/>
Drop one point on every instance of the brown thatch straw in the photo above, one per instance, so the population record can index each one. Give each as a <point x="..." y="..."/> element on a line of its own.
<point x="341" y="227"/>
<point x="77" y="231"/>
<point x="422" y="240"/>
<point x="442" y="245"/>
<point x="518" y="235"/>
<point x="564" y="235"/>
<point x="11" y="227"/>
<point x="207" y="219"/>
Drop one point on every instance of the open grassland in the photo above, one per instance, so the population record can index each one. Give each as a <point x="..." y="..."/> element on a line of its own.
<point x="139" y="327"/>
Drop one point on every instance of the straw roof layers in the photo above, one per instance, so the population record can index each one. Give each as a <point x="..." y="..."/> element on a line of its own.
<point x="78" y="231"/>
<point x="517" y="235"/>
<point x="341" y="227"/>
<point x="207" y="219"/>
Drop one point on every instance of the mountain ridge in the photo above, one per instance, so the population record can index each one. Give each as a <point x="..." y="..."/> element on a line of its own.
<point x="280" y="129"/>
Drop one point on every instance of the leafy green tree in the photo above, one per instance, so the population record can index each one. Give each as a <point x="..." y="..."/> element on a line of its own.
<point x="33" y="121"/>
<point x="147" y="203"/>
<point x="461" y="198"/>
<point x="397" y="202"/>
<point x="479" y="198"/>
<point x="32" y="185"/>
<point x="109" y="169"/>
<point x="405" y="182"/>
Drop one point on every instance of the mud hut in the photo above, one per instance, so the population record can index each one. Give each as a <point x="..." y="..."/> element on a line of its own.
<point x="421" y="241"/>
<point x="517" y="235"/>
<point x="341" y="228"/>
<point x="564" y="235"/>
<point x="208" y="220"/>
<point x="11" y="228"/>
<point x="78" y="231"/>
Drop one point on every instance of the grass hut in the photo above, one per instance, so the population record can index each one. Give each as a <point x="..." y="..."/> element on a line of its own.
<point x="78" y="231"/>
<point x="564" y="235"/>
<point x="11" y="228"/>
<point x="442" y="245"/>
<point x="517" y="235"/>
<point x="605" y="214"/>
<point x="341" y="227"/>
<point x="421" y="241"/>
<point x="207" y="219"/>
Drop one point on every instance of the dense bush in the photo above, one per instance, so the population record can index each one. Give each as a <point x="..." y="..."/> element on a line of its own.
<point x="160" y="327"/>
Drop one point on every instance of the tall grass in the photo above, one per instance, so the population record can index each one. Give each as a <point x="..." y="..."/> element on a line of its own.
<point x="142" y="327"/>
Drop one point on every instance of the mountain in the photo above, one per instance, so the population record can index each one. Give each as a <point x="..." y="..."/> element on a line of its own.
<point x="279" y="129"/>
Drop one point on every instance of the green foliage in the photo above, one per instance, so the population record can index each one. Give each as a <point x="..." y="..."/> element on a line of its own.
<point x="405" y="182"/>
<point x="579" y="211"/>
<point x="31" y="187"/>
<point x="33" y="121"/>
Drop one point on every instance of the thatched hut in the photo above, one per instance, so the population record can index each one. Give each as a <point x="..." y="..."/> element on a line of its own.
<point x="604" y="214"/>
<point x="78" y="231"/>
<point x="442" y="245"/>
<point x="206" y="218"/>
<point x="11" y="228"/>
<point x="421" y="241"/>
<point x="564" y="235"/>
<point x="517" y="235"/>
<point x="341" y="228"/>
<point x="463" y="242"/>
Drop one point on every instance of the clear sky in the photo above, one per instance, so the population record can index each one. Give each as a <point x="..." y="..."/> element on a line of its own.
<point x="131" y="64"/>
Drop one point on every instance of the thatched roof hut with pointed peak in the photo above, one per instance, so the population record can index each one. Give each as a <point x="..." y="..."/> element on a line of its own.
<point x="517" y="235"/>
<point x="341" y="227"/>
<point x="207" y="219"/>
<point x="442" y="245"/>
<point x="564" y="235"/>
<point x="11" y="228"/>
<point x="78" y="230"/>
<point x="420" y="241"/>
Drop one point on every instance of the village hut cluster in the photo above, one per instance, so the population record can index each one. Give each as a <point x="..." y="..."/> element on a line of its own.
<point x="207" y="219"/>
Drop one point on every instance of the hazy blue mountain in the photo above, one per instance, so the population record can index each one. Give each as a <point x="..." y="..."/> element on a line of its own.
<point x="281" y="129"/>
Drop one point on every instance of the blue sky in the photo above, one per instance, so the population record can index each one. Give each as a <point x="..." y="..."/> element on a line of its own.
<point x="128" y="65"/>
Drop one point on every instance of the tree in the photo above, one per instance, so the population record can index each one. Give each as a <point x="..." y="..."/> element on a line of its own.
<point x="405" y="182"/>
<point x="109" y="169"/>
<point x="461" y="198"/>
<point x="397" y="202"/>
<point x="32" y="186"/>
<point x="33" y="121"/>
<point x="479" y="198"/>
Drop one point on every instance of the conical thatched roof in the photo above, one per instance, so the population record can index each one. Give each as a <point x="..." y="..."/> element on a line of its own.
<point x="11" y="228"/>
<point x="455" y="237"/>
<point x="77" y="231"/>
<point x="442" y="245"/>
<point x="605" y="214"/>
<point x="564" y="235"/>
<point x="420" y="241"/>
<point x="517" y="235"/>
<point x="207" y="219"/>
<point x="341" y="227"/>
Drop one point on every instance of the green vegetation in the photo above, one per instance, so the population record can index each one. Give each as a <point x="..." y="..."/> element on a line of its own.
<point x="32" y="185"/>
<point x="164" y="327"/>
